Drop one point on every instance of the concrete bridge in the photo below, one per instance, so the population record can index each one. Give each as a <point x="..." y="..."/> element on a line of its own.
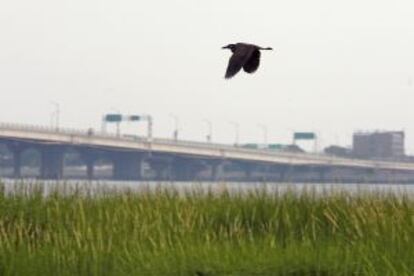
<point x="188" y="160"/>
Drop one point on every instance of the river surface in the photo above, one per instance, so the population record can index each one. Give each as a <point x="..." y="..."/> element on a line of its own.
<point x="68" y="187"/>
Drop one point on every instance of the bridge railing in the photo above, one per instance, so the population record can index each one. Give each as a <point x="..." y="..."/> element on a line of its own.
<point x="44" y="129"/>
<point x="184" y="143"/>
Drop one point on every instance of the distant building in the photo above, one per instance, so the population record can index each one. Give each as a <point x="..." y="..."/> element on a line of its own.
<point x="381" y="145"/>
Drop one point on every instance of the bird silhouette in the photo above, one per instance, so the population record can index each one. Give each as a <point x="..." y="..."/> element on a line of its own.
<point x="246" y="56"/>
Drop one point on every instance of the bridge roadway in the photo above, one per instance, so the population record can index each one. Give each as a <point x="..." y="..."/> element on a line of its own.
<point x="87" y="138"/>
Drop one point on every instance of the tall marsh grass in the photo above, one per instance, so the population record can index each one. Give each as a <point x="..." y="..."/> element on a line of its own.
<point x="164" y="232"/>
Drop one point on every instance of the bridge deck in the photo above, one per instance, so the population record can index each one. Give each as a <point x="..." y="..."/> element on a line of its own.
<point x="197" y="149"/>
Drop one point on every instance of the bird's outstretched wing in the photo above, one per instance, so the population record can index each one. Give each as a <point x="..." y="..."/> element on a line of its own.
<point x="240" y="56"/>
<point x="251" y="65"/>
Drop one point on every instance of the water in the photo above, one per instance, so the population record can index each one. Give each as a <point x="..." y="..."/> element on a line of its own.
<point x="83" y="187"/>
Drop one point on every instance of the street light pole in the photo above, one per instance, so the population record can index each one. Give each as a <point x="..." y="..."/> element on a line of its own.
<point x="210" y="130"/>
<point x="317" y="141"/>
<point x="292" y="132"/>
<point x="176" y="123"/>
<point x="237" y="132"/>
<point x="118" y="124"/>
<point x="103" y="125"/>
<point x="149" y="120"/>
<point x="57" y="114"/>
<point x="264" y="128"/>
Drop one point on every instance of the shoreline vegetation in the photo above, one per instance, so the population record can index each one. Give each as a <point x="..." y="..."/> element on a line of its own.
<point x="168" y="232"/>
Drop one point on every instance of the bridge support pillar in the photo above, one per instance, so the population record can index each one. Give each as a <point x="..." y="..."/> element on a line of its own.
<point x="162" y="168"/>
<point x="51" y="162"/>
<point x="372" y="176"/>
<point x="16" y="149"/>
<point x="248" y="169"/>
<point x="90" y="168"/>
<point x="17" y="163"/>
<point x="323" y="175"/>
<point x="184" y="169"/>
<point x="89" y="157"/>
<point x="217" y="170"/>
<point x="127" y="166"/>
<point x="285" y="173"/>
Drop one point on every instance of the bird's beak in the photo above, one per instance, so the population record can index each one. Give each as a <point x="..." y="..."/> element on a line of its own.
<point x="225" y="47"/>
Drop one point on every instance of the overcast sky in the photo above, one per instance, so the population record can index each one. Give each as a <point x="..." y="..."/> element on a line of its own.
<point x="339" y="66"/>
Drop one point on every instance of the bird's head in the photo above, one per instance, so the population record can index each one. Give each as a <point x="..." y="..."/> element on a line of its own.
<point x="231" y="47"/>
<point x="266" y="48"/>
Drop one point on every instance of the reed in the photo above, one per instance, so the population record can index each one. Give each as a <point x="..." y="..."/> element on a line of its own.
<point x="166" y="232"/>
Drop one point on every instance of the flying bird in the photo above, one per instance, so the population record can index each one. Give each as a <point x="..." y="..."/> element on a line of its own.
<point x="246" y="56"/>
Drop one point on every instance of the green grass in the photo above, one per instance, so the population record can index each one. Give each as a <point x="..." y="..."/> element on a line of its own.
<point x="166" y="233"/>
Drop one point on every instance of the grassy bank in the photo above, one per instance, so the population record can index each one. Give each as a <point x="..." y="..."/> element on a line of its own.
<point x="162" y="233"/>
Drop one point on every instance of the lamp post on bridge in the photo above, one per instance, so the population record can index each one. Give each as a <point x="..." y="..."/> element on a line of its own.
<point x="138" y="118"/>
<point x="264" y="128"/>
<point x="55" y="115"/>
<point x="149" y="120"/>
<point x="292" y="134"/>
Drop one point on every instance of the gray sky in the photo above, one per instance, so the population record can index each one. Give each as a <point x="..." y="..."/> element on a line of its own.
<point x="339" y="66"/>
